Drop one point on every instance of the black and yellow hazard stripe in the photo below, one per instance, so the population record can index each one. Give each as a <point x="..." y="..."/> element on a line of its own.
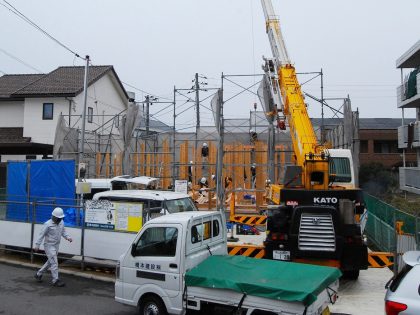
<point x="246" y="250"/>
<point x="250" y="219"/>
<point x="380" y="259"/>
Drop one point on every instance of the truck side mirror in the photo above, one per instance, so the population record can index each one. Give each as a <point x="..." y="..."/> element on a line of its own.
<point x="133" y="249"/>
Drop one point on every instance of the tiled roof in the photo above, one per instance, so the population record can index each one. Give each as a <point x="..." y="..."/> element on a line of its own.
<point x="10" y="83"/>
<point x="13" y="135"/>
<point x="366" y="123"/>
<point x="64" y="81"/>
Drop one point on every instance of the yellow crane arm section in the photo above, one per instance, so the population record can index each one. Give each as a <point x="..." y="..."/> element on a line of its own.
<point x="309" y="154"/>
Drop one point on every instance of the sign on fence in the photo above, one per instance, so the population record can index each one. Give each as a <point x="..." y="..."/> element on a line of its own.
<point x="119" y="216"/>
<point x="181" y="186"/>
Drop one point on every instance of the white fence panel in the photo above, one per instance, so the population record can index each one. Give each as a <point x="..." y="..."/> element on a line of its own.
<point x="405" y="243"/>
<point x="15" y="233"/>
<point x="72" y="248"/>
<point x="107" y="244"/>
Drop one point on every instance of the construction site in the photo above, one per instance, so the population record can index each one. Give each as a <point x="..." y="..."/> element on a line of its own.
<point x="206" y="213"/>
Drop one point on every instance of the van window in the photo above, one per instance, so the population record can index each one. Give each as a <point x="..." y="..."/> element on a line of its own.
<point x="204" y="231"/>
<point x="157" y="241"/>
<point x="180" y="205"/>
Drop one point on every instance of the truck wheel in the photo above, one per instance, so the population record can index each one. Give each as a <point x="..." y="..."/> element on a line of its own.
<point x="152" y="305"/>
<point x="351" y="274"/>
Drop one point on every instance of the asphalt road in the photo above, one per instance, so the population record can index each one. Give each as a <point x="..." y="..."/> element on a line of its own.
<point x="20" y="294"/>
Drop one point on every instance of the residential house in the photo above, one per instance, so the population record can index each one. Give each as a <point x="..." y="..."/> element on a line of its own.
<point x="31" y="104"/>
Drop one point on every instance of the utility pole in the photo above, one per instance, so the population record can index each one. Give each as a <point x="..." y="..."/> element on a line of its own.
<point x="197" y="99"/>
<point x="322" y="108"/>
<point x="197" y="106"/>
<point x="82" y="138"/>
<point x="147" y="114"/>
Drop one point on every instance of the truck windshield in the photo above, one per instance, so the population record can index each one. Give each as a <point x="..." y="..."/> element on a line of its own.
<point x="180" y="205"/>
<point x="340" y="167"/>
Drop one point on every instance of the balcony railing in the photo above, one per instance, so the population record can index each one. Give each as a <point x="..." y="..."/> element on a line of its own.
<point x="409" y="96"/>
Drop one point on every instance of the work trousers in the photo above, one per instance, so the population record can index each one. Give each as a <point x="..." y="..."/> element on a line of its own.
<point x="52" y="262"/>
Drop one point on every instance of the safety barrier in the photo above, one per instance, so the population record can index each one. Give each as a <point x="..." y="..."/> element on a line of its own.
<point x="246" y="250"/>
<point x="19" y="233"/>
<point x="250" y="219"/>
<point x="380" y="259"/>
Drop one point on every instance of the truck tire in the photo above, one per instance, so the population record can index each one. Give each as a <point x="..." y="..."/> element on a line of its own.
<point x="351" y="274"/>
<point x="152" y="305"/>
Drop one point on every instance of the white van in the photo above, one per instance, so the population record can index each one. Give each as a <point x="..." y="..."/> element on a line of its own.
<point x="127" y="182"/>
<point x="123" y="182"/>
<point x="155" y="202"/>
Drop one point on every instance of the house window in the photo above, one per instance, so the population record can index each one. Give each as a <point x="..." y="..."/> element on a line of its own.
<point x="90" y="114"/>
<point x="48" y="111"/>
<point x="385" y="146"/>
<point x="364" y="148"/>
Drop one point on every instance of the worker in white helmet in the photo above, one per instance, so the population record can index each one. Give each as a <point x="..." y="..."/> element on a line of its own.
<point x="51" y="234"/>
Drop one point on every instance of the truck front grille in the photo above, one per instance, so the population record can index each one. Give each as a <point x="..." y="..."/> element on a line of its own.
<point x="316" y="232"/>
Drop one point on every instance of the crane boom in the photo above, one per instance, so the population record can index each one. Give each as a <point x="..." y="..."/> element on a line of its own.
<point x="320" y="186"/>
<point x="310" y="155"/>
<point x="278" y="47"/>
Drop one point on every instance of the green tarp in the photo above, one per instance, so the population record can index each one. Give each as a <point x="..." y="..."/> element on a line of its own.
<point x="271" y="279"/>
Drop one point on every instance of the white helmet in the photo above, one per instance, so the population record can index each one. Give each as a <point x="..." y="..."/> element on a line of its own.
<point x="203" y="180"/>
<point x="213" y="177"/>
<point x="191" y="162"/>
<point x="58" y="213"/>
<point x="204" y="144"/>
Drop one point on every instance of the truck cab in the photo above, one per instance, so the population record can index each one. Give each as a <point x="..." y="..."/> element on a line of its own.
<point x="179" y="262"/>
<point x="151" y="273"/>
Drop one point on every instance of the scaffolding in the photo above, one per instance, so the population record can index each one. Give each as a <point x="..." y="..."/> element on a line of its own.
<point x="244" y="154"/>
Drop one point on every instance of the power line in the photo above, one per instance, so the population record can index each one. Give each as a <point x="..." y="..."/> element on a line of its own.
<point x="22" y="16"/>
<point x="19" y="60"/>
<point x="145" y="92"/>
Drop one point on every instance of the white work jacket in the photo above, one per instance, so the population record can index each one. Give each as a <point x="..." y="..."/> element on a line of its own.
<point x="51" y="233"/>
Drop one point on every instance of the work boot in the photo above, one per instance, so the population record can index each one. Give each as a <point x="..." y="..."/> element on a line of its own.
<point x="38" y="277"/>
<point x="58" y="283"/>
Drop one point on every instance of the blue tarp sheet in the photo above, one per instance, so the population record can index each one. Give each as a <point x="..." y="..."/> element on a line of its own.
<point x="50" y="182"/>
<point x="17" y="191"/>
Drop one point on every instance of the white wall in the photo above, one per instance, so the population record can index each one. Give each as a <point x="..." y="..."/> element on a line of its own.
<point x="11" y="114"/>
<point x="5" y="158"/>
<point x="42" y="131"/>
<point x="104" y="96"/>
<point x="108" y="99"/>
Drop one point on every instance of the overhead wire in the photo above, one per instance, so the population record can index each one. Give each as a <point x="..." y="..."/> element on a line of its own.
<point x="19" y="60"/>
<point x="145" y="92"/>
<point x="22" y="16"/>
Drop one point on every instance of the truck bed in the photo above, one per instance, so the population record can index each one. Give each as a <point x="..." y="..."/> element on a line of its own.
<point x="270" y="285"/>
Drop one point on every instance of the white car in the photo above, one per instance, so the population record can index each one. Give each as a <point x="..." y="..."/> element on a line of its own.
<point x="403" y="291"/>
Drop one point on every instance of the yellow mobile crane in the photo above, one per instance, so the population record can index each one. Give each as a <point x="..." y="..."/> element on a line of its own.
<point x="316" y="205"/>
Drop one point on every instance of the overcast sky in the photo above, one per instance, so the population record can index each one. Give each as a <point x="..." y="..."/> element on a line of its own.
<point x="156" y="44"/>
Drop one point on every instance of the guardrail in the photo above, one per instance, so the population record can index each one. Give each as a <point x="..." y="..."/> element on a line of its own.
<point x="390" y="229"/>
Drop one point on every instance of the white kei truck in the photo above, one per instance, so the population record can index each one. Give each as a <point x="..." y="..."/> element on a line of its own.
<point x="179" y="263"/>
